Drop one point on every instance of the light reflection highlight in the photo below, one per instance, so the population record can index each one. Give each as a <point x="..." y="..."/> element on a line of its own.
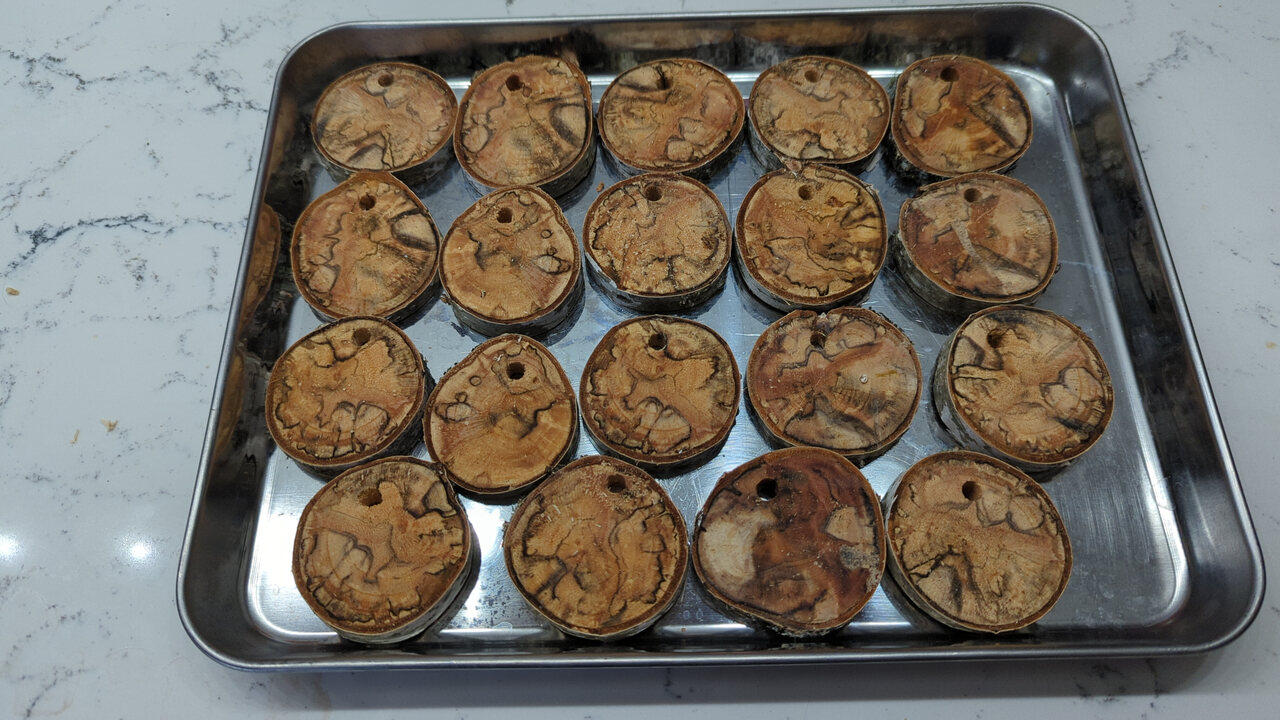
<point x="9" y="547"/>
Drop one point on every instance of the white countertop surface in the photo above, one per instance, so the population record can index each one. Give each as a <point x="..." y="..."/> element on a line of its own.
<point x="132" y="134"/>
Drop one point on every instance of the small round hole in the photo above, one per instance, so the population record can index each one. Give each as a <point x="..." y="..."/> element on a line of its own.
<point x="970" y="490"/>
<point x="767" y="489"/>
<point x="658" y="341"/>
<point x="616" y="483"/>
<point x="361" y="336"/>
<point x="370" y="497"/>
<point x="513" y="83"/>
<point x="811" y="75"/>
<point x="385" y="79"/>
<point x="805" y="192"/>
<point x="818" y="339"/>
<point x="367" y="202"/>
<point x="515" y="370"/>
<point x="504" y="215"/>
<point x="971" y="195"/>
<point x="949" y="74"/>
<point x="653" y="193"/>
<point x="995" y="338"/>
<point x="664" y="82"/>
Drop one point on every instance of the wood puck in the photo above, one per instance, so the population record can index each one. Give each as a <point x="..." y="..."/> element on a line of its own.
<point x="526" y="122"/>
<point x="671" y="115"/>
<point x="502" y="418"/>
<point x="382" y="550"/>
<point x="510" y="263"/>
<point x="811" y="239"/>
<point x="1023" y="384"/>
<point x="954" y="114"/>
<point x="660" y="391"/>
<point x="366" y="247"/>
<point x="975" y="543"/>
<point x="847" y="380"/>
<point x="658" y="242"/>
<point x="793" y="540"/>
<point x="346" y="393"/>
<point x="975" y="241"/>
<point x="391" y="116"/>
<point x="817" y="109"/>
<point x="598" y="549"/>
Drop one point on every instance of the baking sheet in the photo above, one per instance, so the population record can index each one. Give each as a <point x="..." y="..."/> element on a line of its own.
<point x="1165" y="556"/>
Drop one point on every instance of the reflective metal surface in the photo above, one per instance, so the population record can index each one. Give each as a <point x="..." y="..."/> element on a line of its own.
<point x="1165" y="555"/>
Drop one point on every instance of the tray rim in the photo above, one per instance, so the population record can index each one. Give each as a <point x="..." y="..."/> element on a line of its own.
<point x="370" y="659"/>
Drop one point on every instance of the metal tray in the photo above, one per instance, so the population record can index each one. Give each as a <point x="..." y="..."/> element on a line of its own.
<point x="1166" y="559"/>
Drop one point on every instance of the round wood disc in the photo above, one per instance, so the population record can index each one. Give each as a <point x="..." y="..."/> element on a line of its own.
<point x="1025" y="384"/>
<point x="386" y="116"/>
<point x="817" y="109"/>
<point x="598" y="549"/>
<point x="811" y="239"/>
<point x="954" y="115"/>
<point x="511" y="262"/>
<point x="366" y="247"/>
<point x="345" y="393"/>
<point x="793" y="539"/>
<point x="502" y="418"/>
<point x="975" y="241"/>
<point x="526" y="122"/>
<point x="660" y="242"/>
<point x="975" y="543"/>
<point x="847" y="380"/>
<point x="660" y="391"/>
<point x="670" y="115"/>
<point x="382" y="550"/>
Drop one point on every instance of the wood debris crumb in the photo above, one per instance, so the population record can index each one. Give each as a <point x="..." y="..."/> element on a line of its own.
<point x="11" y="291"/>
<point x="110" y="425"/>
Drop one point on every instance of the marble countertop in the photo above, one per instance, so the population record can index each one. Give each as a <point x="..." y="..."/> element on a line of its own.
<point x="132" y="134"/>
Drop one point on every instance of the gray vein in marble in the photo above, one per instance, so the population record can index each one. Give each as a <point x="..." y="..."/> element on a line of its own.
<point x="1184" y="43"/>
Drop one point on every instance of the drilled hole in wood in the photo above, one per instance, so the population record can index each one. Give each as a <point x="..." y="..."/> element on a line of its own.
<point x="818" y="339"/>
<point x="515" y="370"/>
<point x="971" y="195"/>
<point x="805" y="192"/>
<point x="658" y="341"/>
<point x="767" y="489"/>
<point x="504" y="215"/>
<point x="949" y="74"/>
<point x="370" y="497"/>
<point x="616" y="483"/>
<point x="653" y="193"/>
<point x="811" y="75"/>
<point x="367" y="202"/>
<point x="513" y="83"/>
<point x="361" y="336"/>
<point x="970" y="490"/>
<point x="385" y="79"/>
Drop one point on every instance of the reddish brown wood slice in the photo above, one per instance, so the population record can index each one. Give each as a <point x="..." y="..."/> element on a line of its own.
<point x="660" y="391"/>
<point x="598" y="549"/>
<point x="526" y="122"/>
<point x="345" y="393"/>
<point x="847" y="380"/>
<point x="977" y="240"/>
<point x="661" y="242"/>
<point x="670" y="115"/>
<point x="511" y="262"/>
<point x="367" y="247"/>
<point x="1024" y="383"/>
<point x="976" y="544"/>
<point x="812" y="239"/>
<point x="817" y="109"/>
<point x="503" y="417"/>
<point x="382" y="550"/>
<point x="954" y="115"/>
<point x="386" y="116"/>
<point x="793" y="539"/>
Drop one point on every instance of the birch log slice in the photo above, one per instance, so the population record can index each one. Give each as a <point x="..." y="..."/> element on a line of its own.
<point x="598" y="549"/>
<point x="382" y="550"/>
<point x="847" y="380"/>
<point x="793" y="539"/>
<point x="510" y="262"/>
<point x="346" y="393"/>
<point x="975" y="543"/>
<point x="393" y="117"/>
<point x="1024" y="384"/>
<point x="658" y="242"/>
<point x="670" y="115"/>
<point x="502" y="418"/>
<point x="366" y="247"/>
<point x="660" y="391"/>
<point x="975" y="241"/>
<point x="526" y="122"/>
<point x="812" y="239"/>
<point x="817" y="109"/>
<point x="954" y="115"/>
